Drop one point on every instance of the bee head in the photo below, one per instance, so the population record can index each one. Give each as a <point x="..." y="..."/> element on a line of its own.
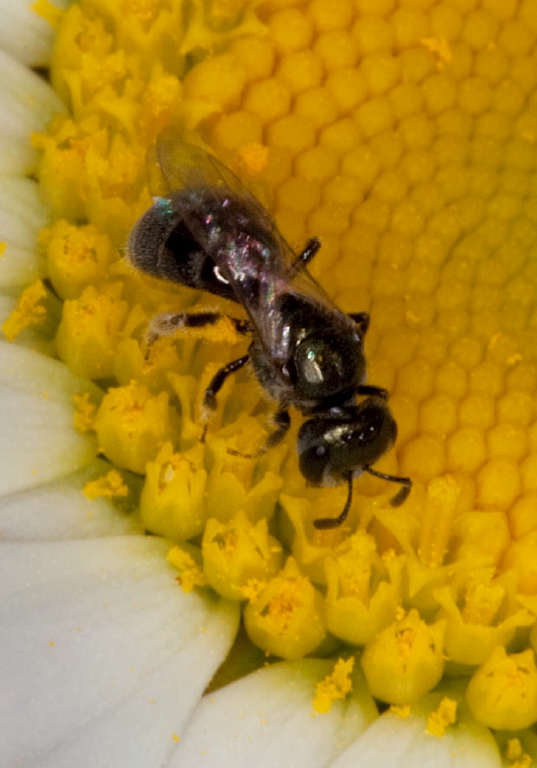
<point x="346" y="439"/>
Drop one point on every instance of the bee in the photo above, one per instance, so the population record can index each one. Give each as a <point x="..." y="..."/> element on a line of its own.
<point x="207" y="232"/>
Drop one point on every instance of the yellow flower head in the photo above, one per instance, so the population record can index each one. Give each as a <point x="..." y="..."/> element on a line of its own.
<point x="404" y="137"/>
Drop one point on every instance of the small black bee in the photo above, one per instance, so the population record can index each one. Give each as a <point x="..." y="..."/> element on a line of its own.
<point x="207" y="232"/>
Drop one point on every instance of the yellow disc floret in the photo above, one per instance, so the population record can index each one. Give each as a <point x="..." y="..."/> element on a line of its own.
<point x="132" y="426"/>
<point x="503" y="692"/>
<point x="89" y="331"/>
<point x="171" y="503"/>
<point x="76" y="257"/>
<point x="286" y="618"/>
<point x="405" y="660"/>
<point x="359" y="602"/>
<point x="239" y="552"/>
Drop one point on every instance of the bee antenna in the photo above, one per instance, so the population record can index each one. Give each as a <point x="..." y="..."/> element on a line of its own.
<point x="402" y="494"/>
<point x="326" y="523"/>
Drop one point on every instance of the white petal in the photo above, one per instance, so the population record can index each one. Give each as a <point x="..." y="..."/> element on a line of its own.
<point x="38" y="442"/>
<point x="267" y="720"/>
<point x="27" y="371"/>
<point x="22" y="215"/>
<point x="27" y="103"/>
<point x="26" y="35"/>
<point x="60" y="511"/>
<point x="102" y="656"/>
<point x="392" y="742"/>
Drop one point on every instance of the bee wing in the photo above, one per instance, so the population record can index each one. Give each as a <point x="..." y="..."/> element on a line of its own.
<point x="175" y="164"/>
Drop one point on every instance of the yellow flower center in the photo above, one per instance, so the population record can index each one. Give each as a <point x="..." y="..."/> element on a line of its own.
<point x="404" y="137"/>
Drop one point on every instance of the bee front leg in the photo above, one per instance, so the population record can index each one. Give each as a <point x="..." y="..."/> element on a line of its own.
<point x="406" y="483"/>
<point x="209" y="399"/>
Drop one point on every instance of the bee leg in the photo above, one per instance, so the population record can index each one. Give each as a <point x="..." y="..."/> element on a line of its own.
<point x="304" y="258"/>
<point x="362" y="321"/>
<point x="282" y="421"/>
<point x="370" y="389"/>
<point x="209" y="399"/>
<point x="326" y="523"/>
<point x="168" y="323"/>
<point x="402" y="494"/>
<point x="201" y="319"/>
<point x="165" y="324"/>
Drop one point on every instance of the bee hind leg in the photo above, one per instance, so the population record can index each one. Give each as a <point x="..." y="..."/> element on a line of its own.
<point x="169" y="323"/>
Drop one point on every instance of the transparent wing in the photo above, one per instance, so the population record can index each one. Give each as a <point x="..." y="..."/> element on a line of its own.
<point x="258" y="277"/>
<point x="174" y="164"/>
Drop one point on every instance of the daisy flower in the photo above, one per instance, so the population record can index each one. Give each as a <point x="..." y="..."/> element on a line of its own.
<point x="167" y="597"/>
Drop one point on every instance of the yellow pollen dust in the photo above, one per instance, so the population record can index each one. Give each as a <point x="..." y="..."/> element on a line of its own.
<point x="29" y="311"/>
<point x="401" y="711"/>
<point x="252" y="589"/>
<point x="336" y="686"/>
<point x="190" y="574"/>
<point x="84" y="414"/>
<point x="442" y="718"/>
<point x="516" y="756"/>
<point x="440" y="48"/>
<point x="281" y="607"/>
<point x="110" y="486"/>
